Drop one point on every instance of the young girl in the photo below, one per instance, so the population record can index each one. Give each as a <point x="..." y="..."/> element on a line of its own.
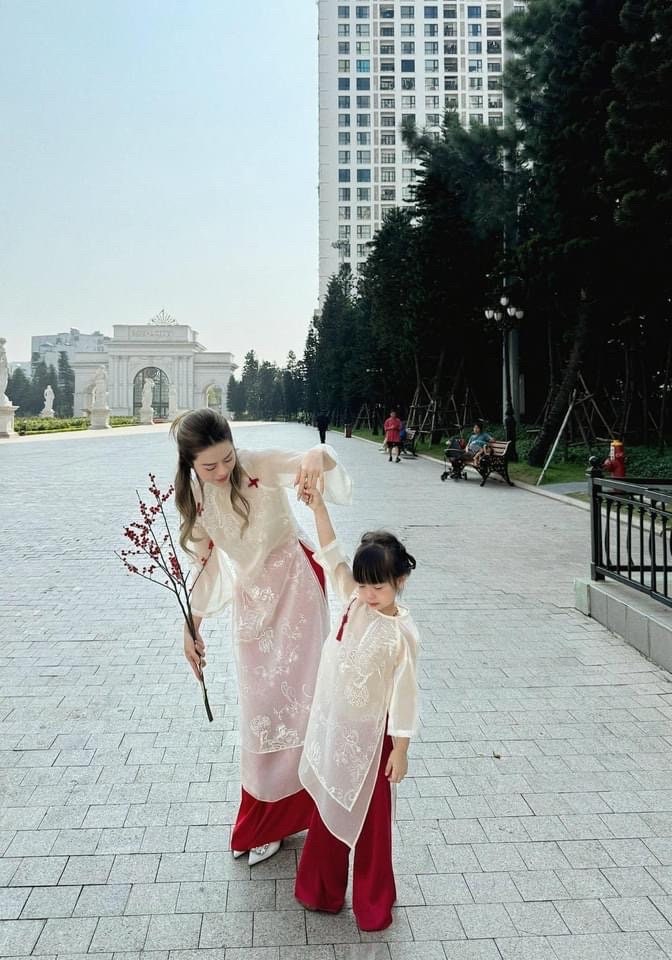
<point x="237" y="522"/>
<point x="363" y="714"/>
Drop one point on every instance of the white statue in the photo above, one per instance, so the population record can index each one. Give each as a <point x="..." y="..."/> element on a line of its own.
<point x="48" y="409"/>
<point x="147" y="394"/>
<point x="4" y="373"/>
<point x="99" y="391"/>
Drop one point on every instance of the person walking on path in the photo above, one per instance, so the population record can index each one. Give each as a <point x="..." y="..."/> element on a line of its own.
<point x="238" y="526"/>
<point x="363" y="715"/>
<point x="392" y="428"/>
<point x="322" y="424"/>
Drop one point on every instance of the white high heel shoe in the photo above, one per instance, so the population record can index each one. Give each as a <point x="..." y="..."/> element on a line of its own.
<point x="266" y="850"/>
<point x="237" y="854"/>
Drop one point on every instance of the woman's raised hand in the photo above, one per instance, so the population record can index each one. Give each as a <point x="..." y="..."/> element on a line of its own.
<point x="310" y="474"/>
<point x="194" y="652"/>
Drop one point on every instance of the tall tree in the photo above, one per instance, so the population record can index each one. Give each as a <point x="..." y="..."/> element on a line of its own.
<point x="20" y="392"/>
<point x="250" y="382"/>
<point x="65" y="390"/>
<point x="41" y="377"/>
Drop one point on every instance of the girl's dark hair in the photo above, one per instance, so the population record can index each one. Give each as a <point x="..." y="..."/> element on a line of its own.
<point x="196" y="431"/>
<point x="381" y="558"/>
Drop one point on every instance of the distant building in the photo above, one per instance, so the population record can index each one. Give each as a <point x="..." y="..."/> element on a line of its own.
<point x="24" y="365"/>
<point x="48" y="346"/>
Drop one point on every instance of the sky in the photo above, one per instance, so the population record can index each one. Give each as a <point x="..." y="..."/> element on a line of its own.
<point x="159" y="154"/>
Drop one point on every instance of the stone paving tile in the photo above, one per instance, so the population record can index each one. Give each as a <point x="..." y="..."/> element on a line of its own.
<point x="538" y="784"/>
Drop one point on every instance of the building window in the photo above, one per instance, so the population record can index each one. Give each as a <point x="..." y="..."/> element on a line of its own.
<point x="494" y="83"/>
<point x="362" y="13"/>
<point x="431" y="66"/>
<point x="431" y="29"/>
<point x="387" y="49"/>
<point x="344" y="48"/>
<point x="451" y="102"/>
<point x="363" y="47"/>
<point x="344" y="83"/>
<point x="408" y="47"/>
<point x="407" y="29"/>
<point x="344" y="66"/>
<point x="363" y="29"/>
<point x="493" y="29"/>
<point x="344" y="119"/>
<point x="343" y="138"/>
<point x="364" y="138"/>
<point x="450" y="29"/>
<point x="474" y="13"/>
<point x="450" y="64"/>
<point x="387" y="30"/>
<point x="387" y="103"/>
<point x="364" y="193"/>
<point x="387" y="11"/>
<point x="450" y="48"/>
<point x="431" y="13"/>
<point x="388" y="156"/>
<point x="431" y="48"/>
<point x="363" y="83"/>
<point x="363" y="119"/>
<point x="474" y="46"/>
<point x="494" y="102"/>
<point x="387" y="120"/>
<point x="363" y="66"/>
<point x="409" y="193"/>
<point x="388" y="139"/>
<point x="363" y="103"/>
<point x="363" y="156"/>
<point x="450" y="11"/>
<point x="387" y="83"/>
<point x="407" y="156"/>
<point x="475" y="118"/>
<point x="344" y="176"/>
<point x="363" y="176"/>
<point x="363" y="213"/>
<point x="388" y="193"/>
<point x="408" y="103"/>
<point x="344" y="194"/>
<point x="344" y="213"/>
<point x="408" y="66"/>
<point x="407" y="12"/>
<point x="494" y="66"/>
<point x="408" y="118"/>
<point x="388" y="175"/>
<point x="344" y="103"/>
<point x="363" y="231"/>
<point x="344" y="156"/>
<point x="475" y="83"/>
<point x="344" y="29"/>
<point x="362" y="251"/>
<point x="387" y="66"/>
<point x="474" y="30"/>
<point x="475" y="66"/>
<point x="344" y="11"/>
<point x="496" y="120"/>
<point x="475" y="103"/>
<point x="433" y="119"/>
<point x="408" y="83"/>
<point x="494" y="46"/>
<point x="493" y="11"/>
<point x="431" y="83"/>
<point x="432" y="103"/>
<point x="407" y="175"/>
<point x="450" y="83"/>
<point x="344" y="232"/>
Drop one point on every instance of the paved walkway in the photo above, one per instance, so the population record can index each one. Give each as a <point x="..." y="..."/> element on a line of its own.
<point x="536" y="821"/>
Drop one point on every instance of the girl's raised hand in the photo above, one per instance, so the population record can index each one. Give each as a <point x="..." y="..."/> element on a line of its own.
<point x="312" y="497"/>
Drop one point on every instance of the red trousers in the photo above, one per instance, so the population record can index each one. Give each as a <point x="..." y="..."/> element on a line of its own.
<point x="322" y="876"/>
<point x="260" y="821"/>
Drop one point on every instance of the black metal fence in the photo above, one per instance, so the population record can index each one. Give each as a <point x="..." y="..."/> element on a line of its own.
<point x="631" y="534"/>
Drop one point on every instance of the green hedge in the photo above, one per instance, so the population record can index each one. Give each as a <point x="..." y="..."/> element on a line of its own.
<point x="32" y="425"/>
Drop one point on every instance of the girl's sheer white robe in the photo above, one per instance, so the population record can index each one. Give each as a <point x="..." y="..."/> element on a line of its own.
<point x="280" y="616"/>
<point x="366" y="677"/>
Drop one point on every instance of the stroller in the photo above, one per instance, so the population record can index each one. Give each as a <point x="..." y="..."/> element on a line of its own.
<point x="454" y="459"/>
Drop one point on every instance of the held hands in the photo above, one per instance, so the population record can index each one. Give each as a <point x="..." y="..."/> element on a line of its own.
<point x="310" y="474"/>
<point x="396" y="767"/>
<point x="194" y="652"/>
<point x="312" y="498"/>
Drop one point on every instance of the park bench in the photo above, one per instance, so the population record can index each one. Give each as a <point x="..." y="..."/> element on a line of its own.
<point x="494" y="460"/>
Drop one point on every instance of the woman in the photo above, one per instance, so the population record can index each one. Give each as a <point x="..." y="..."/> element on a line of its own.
<point x="237" y="523"/>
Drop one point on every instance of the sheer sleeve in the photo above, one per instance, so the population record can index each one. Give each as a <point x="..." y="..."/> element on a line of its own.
<point x="403" y="712"/>
<point x="333" y="560"/>
<point x="212" y="586"/>
<point x="279" y="468"/>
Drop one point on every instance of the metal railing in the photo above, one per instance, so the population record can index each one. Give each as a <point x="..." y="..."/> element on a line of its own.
<point x="631" y="534"/>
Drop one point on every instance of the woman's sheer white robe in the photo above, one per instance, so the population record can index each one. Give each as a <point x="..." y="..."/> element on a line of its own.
<point x="280" y="616"/>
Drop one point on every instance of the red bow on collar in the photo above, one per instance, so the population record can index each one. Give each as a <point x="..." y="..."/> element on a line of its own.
<point x="253" y="482"/>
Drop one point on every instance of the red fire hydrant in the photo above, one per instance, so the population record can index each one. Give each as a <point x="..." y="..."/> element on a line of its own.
<point x="615" y="462"/>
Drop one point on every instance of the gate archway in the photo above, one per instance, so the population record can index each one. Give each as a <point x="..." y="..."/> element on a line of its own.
<point x="160" y="393"/>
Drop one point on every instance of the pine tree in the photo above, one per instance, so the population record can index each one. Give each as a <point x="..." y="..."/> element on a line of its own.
<point x="64" y="404"/>
<point x="19" y="391"/>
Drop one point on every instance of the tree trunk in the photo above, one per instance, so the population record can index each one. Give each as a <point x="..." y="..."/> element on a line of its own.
<point x="558" y="407"/>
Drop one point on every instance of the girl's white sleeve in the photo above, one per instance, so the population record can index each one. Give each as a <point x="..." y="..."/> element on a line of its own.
<point x="335" y="564"/>
<point x="210" y="577"/>
<point x="403" y="713"/>
<point x="279" y="468"/>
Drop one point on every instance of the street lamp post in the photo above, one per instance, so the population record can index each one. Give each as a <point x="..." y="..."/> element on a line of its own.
<point x="506" y="316"/>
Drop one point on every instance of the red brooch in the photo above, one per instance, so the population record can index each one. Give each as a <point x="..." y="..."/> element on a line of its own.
<point x="253" y="482"/>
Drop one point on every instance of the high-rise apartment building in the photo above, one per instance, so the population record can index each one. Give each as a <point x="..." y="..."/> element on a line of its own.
<point x="380" y="63"/>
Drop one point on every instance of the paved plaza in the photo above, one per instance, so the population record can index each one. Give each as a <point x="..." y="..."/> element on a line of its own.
<point x="536" y="820"/>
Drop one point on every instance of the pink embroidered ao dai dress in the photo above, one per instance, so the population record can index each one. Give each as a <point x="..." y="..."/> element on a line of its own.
<point x="366" y="679"/>
<point x="280" y="615"/>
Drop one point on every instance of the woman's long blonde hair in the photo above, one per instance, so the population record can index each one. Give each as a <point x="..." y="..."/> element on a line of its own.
<point x="194" y="432"/>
